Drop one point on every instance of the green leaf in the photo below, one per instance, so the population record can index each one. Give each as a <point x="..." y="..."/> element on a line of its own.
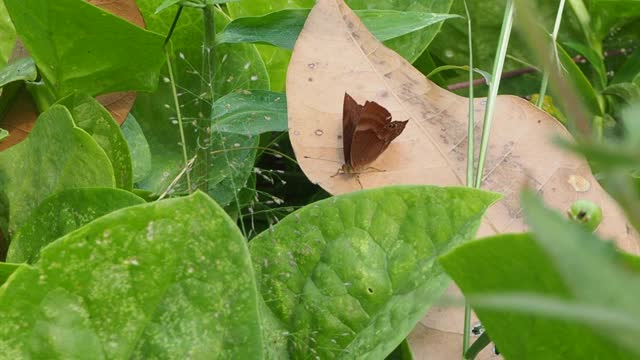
<point x="596" y="60"/>
<point x="627" y="92"/>
<point x="89" y="115"/>
<point x="62" y="213"/>
<point x="139" y="147"/>
<point x="6" y="270"/>
<point x="171" y="279"/>
<point x="21" y="69"/>
<point x="79" y="47"/>
<point x="190" y="3"/>
<point x="56" y="155"/>
<point x="481" y="342"/>
<point x="281" y="28"/>
<point x="402" y="352"/>
<point x="238" y="67"/>
<point x="354" y="273"/>
<point x="409" y="46"/>
<point x="581" y="84"/>
<point x="250" y="113"/>
<point x="629" y="70"/>
<point x="8" y="39"/>
<point x="516" y="268"/>
<point x="531" y="277"/>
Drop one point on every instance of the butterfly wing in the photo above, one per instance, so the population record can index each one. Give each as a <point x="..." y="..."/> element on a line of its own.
<point x="350" y="115"/>
<point x="373" y="134"/>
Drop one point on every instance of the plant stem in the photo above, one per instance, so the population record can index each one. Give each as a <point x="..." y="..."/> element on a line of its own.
<point x="178" y="115"/>
<point x="554" y="37"/>
<point x="471" y="121"/>
<point x="505" y="32"/>
<point x="470" y="163"/>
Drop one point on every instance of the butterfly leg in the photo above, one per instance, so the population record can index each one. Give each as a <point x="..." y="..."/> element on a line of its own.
<point x="340" y="171"/>
<point x="359" y="182"/>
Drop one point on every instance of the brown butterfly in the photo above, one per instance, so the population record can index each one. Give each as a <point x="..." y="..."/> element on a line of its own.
<point x="367" y="131"/>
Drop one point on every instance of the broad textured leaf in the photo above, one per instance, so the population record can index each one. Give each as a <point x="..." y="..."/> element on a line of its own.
<point x="562" y="262"/>
<point x="57" y="155"/>
<point x="350" y="276"/>
<point x="281" y="28"/>
<point x="62" y="213"/>
<point x="93" y="118"/>
<point x="138" y="146"/>
<point x="238" y="67"/>
<point x="21" y="69"/>
<point x="170" y="279"/>
<point x="250" y="113"/>
<point x="107" y="54"/>
<point x="8" y="38"/>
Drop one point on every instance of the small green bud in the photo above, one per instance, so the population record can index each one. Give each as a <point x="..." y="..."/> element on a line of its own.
<point x="585" y="212"/>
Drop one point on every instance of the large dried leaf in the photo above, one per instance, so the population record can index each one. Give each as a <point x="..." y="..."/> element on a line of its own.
<point x="336" y="53"/>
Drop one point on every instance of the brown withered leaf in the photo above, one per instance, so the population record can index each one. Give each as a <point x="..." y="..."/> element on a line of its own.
<point x="335" y="54"/>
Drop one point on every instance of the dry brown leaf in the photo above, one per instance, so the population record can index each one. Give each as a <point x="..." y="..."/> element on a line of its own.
<point x="335" y="54"/>
<point x="22" y="114"/>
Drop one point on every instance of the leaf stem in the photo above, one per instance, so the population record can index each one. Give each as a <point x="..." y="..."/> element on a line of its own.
<point x="505" y="32"/>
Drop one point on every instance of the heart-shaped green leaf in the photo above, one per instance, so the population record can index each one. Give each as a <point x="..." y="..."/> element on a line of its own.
<point x="171" y="280"/>
<point x="56" y="155"/>
<point x="351" y="275"/>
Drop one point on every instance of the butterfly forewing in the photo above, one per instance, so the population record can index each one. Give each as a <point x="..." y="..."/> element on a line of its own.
<point x="350" y="114"/>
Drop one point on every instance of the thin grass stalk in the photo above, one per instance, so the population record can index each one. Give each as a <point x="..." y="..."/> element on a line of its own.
<point x="498" y="65"/>
<point x="176" y="102"/>
<point x="210" y="69"/>
<point x="554" y="37"/>
<point x="470" y="163"/>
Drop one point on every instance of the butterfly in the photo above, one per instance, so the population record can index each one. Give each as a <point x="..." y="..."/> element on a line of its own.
<point x="367" y="131"/>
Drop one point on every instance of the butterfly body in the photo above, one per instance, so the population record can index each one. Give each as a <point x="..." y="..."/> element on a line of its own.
<point x="367" y="132"/>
